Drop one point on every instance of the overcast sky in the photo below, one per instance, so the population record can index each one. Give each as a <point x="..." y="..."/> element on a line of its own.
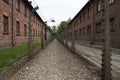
<point x="60" y="10"/>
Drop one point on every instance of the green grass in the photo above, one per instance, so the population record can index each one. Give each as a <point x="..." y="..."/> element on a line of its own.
<point x="10" y="55"/>
<point x="36" y="45"/>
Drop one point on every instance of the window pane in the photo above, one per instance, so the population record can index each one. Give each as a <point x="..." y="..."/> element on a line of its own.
<point x="7" y="1"/>
<point x="18" y="5"/>
<point x="89" y="30"/>
<point x="5" y="24"/>
<point x="84" y="31"/>
<point x="112" y="24"/>
<point x="25" y="30"/>
<point x="17" y="28"/>
<point x="98" y="5"/>
<point x="111" y="1"/>
<point x="98" y="28"/>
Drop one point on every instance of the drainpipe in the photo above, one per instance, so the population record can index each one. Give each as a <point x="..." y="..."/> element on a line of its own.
<point x="13" y="23"/>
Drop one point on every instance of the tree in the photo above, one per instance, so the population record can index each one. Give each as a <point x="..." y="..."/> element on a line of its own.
<point x="69" y="19"/>
<point x="49" y="28"/>
<point x="62" y="26"/>
<point x="54" y="29"/>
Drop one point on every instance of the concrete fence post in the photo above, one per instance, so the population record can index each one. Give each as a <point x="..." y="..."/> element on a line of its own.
<point x="73" y="42"/>
<point x="30" y="30"/>
<point x="106" y="56"/>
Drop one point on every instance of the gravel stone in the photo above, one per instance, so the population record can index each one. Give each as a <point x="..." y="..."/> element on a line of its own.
<point x="55" y="62"/>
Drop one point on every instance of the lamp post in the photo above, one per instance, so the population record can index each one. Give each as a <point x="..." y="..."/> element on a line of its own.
<point x="30" y="30"/>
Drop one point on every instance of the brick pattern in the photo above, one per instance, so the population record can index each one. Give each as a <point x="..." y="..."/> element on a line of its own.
<point x="81" y="22"/>
<point x="37" y="23"/>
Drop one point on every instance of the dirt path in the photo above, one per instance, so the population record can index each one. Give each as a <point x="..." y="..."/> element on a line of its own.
<point x="55" y="63"/>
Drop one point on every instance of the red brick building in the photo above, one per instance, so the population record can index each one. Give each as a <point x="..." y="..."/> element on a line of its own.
<point x="88" y="24"/>
<point x="14" y="23"/>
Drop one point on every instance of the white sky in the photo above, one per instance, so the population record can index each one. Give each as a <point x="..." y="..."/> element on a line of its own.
<point x="60" y="10"/>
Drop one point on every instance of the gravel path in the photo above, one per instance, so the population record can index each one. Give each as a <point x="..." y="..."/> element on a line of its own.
<point x="56" y="63"/>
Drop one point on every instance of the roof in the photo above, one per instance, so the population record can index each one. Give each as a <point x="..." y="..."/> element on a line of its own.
<point x="31" y="7"/>
<point x="86" y="5"/>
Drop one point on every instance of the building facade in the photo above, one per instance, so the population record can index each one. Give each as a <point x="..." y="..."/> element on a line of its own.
<point x="14" y="18"/>
<point x="88" y="24"/>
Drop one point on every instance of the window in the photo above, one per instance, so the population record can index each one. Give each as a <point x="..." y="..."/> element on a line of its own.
<point x="98" y="28"/>
<point x="33" y="32"/>
<point x="5" y="24"/>
<point x="84" y="31"/>
<point x="80" y="18"/>
<point x="75" y="32"/>
<point x="38" y="23"/>
<point x="36" y="32"/>
<point x="25" y="30"/>
<point x="7" y="1"/>
<point x="84" y="16"/>
<point x="75" y="23"/>
<point x="17" y="28"/>
<point x="89" y="30"/>
<point x="80" y="31"/>
<point x="70" y="34"/>
<point x="112" y="24"/>
<point x="89" y="13"/>
<point x="111" y="1"/>
<point x="25" y="10"/>
<point x="98" y="5"/>
<point x="18" y="5"/>
<point x="34" y="18"/>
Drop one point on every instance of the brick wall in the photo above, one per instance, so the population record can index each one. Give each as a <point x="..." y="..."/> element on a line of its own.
<point x="37" y="23"/>
<point x="95" y="18"/>
<point x="5" y="40"/>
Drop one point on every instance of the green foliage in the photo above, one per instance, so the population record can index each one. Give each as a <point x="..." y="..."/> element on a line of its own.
<point x="63" y="25"/>
<point x="54" y="29"/>
<point x="48" y="27"/>
<point x="57" y="30"/>
<point x="36" y="45"/>
<point x="9" y="55"/>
